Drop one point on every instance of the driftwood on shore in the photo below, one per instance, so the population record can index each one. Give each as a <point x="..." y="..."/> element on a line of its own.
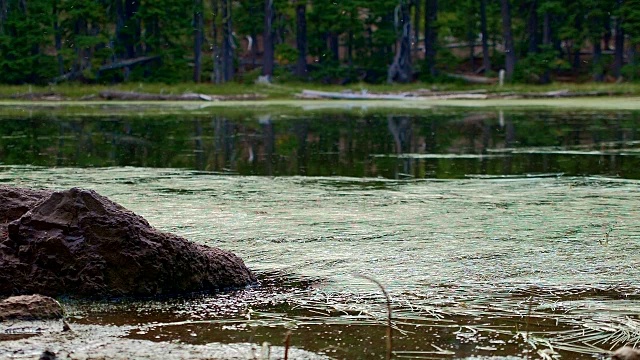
<point x="473" y="79"/>
<point x="417" y="95"/>
<point x="136" y="96"/>
<point x="313" y="94"/>
<point x="425" y="94"/>
<point x="563" y="93"/>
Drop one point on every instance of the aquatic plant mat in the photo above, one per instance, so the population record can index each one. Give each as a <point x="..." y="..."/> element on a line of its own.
<point x="530" y="266"/>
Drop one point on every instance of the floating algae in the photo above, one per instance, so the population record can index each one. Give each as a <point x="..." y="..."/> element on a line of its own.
<point x="474" y="267"/>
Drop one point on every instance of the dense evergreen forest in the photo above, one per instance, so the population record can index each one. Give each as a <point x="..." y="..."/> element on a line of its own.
<point x="329" y="41"/>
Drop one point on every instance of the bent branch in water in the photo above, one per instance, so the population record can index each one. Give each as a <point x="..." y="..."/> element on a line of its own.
<point x="389" y="314"/>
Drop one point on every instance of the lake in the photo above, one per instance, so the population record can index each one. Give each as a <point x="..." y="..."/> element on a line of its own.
<point x="495" y="232"/>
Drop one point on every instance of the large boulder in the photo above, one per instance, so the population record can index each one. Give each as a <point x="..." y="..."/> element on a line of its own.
<point x="77" y="242"/>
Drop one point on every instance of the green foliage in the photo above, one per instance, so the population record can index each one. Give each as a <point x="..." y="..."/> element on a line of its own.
<point x="249" y="17"/>
<point x="631" y="71"/>
<point x="531" y="68"/>
<point x="286" y="54"/>
<point x="346" y="40"/>
<point x="631" y="12"/>
<point x="25" y="34"/>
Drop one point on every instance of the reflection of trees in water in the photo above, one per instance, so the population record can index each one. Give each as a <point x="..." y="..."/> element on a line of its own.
<point x="401" y="129"/>
<point x="301" y="129"/>
<point x="336" y="144"/>
<point x="509" y="142"/>
<point x="269" y="139"/>
<point x="198" y="146"/>
<point x="224" y="157"/>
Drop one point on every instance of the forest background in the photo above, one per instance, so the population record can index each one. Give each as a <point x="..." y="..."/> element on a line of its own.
<point x="324" y="41"/>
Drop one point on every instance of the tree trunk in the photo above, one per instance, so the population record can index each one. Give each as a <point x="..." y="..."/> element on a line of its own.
<point x="633" y="59"/>
<point x="227" y="42"/>
<point x="133" y="27"/>
<point x="607" y="33"/>
<point x="301" y="38"/>
<point x="216" y="76"/>
<point x="416" y="22"/>
<point x="532" y="27"/>
<point x="267" y="59"/>
<point x="128" y="31"/>
<point x="619" y="46"/>
<point x="334" y="46"/>
<point x="486" y="57"/>
<point x="350" y="49"/>
<point x="121" y="37"/>
<point x="546" y="41"/>
<point x="3" y="15"/>
<point x="472" y="46"/>
<point x="576" y="52"/>
<point x="80" y="29"/>
<point x="598" y="74"/>
<point x="509" y="48"/>
<point x="149" y="31"/>
<point x="400" y="70"/>
<point x="198" y="24"/>
<point x="254" y="49"/>
<point x="57" y="35"/>
<point x="431" y="35"/>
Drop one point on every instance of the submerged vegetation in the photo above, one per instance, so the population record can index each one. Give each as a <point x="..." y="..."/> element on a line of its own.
<point x="483" y="267"/>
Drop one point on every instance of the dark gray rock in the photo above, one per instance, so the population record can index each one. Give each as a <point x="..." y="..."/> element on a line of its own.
<point x="77" y="242"/>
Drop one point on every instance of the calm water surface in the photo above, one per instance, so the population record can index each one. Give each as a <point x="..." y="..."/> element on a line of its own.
<point x="495" y="233"/>
<point x="440" y="144"/>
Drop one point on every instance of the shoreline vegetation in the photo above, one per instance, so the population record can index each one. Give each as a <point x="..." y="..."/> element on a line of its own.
<point x="238" y="91"/>
<point x="162" y="97"/>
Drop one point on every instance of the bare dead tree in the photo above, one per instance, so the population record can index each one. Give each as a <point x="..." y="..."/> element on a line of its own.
<point x="401" y="70"/>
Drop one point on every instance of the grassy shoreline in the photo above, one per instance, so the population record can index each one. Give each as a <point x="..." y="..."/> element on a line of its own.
<point x="290" y="90"/>
<point x="81" y="99"/>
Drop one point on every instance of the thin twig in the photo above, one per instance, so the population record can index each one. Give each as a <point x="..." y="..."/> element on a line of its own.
<point x="389" y="314"/>
<point x="287" y="339"/>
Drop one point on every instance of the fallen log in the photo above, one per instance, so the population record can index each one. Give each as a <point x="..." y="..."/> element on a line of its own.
<point x="133" y="96"/>
<point x="128" y="63"/>
<point x="137" y="96"/>
<point x="121" y="64"/>
<point x="313" y="94"/>
<point x="473" y="79"/>
<point x="563" y="93"/>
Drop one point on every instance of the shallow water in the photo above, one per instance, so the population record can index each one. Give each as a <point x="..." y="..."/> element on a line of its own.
<point x="493" y="260"/>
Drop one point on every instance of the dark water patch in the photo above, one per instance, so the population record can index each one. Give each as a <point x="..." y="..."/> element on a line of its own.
<point x="361" y="335"/>
<point x="273" y="288"/>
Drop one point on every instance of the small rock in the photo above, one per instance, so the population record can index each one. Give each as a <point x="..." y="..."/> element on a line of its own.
<point x="626" y="353"/>
<point x="263" y="80"/>
<point x="30" y="307"/>
<point x="48" y="355"/>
